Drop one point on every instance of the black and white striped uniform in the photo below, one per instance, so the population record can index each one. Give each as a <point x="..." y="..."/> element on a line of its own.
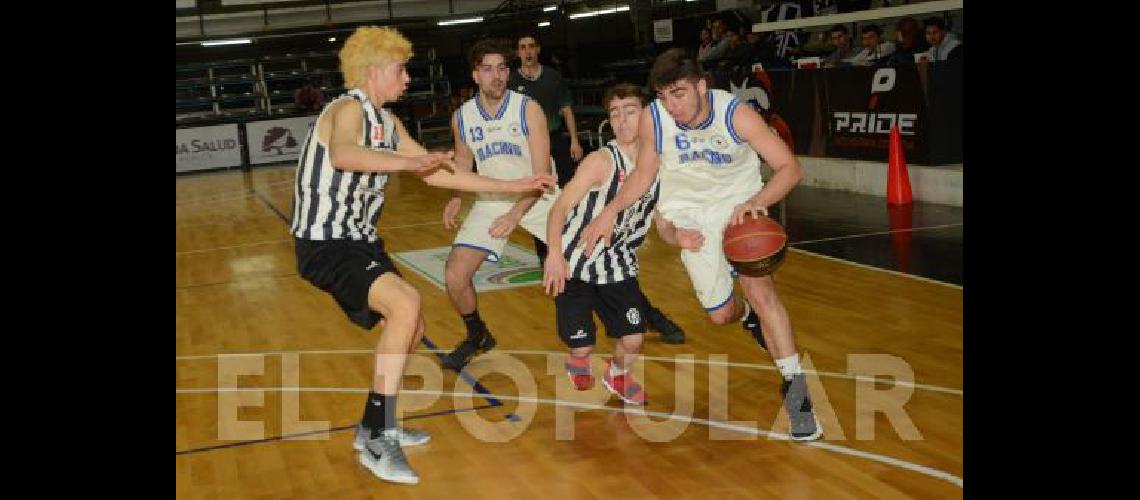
<point x="618" y="261"/>
<point x="333" y="204"/>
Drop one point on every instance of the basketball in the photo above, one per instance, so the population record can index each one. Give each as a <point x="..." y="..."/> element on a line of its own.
<point x="755" y="247"/>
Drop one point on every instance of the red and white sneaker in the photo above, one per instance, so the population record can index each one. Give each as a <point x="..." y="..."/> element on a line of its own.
<point x="624" y="386"/>
<point x="579" y="371"/>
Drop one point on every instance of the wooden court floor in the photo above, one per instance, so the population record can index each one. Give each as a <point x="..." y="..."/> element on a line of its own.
<point x="270" y="377"/>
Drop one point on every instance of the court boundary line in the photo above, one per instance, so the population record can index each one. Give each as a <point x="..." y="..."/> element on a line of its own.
<point x="771" y="435"/>
<point x="242" y="280"/>
<point x="224" y="198"/>
<point x="232" y="247"/>
<point x="732" y="364"/>
<point x="330" y="430"/>
<point x="877" y="233"/>
<point x="270" y="242"/>
<point x="873" y="268"/>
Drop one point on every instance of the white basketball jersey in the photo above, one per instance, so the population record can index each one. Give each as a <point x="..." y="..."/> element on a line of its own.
<point x="499" y="141"/>
<point x="707" y="163"/>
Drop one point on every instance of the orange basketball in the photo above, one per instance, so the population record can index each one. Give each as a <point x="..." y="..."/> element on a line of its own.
<point x="755" y="247"/>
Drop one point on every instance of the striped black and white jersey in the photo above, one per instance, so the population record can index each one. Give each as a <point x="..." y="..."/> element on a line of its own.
<point x="618" y="261"/>
<point x="334" y="204"/>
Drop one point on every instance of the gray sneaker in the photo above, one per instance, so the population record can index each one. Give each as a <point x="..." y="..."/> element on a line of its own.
<point x="384" y="457"/>
<point x="407" y="437"/>
<point x="801" y="416"/>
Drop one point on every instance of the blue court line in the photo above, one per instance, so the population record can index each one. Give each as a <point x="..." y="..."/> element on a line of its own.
<point x="334" y="429"/>
<point x="482" y="391"/>
<point x="270" y="205"/>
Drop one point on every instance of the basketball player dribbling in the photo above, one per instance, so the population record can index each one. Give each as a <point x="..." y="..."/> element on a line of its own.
<point x="707" y="149"/>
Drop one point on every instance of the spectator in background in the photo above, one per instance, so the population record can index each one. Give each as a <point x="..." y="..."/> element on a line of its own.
<point x="843" y="52"/>
<point x="706" y="43"/>
<point x="875" y="50"/>
<point x="719" y="44"/>
<point x="910" y="42"/>
<point x="308" y="98"/>
<point x="943" y="45"/>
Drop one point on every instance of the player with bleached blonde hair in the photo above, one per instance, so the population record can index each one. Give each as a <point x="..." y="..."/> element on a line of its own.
<point x="350" y="150"/>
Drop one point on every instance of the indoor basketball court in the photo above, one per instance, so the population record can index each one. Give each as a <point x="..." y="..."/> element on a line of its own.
<point x="271" y="374"/>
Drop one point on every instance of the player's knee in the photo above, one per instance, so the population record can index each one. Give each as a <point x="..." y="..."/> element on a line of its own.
<point x="764" y="296"/>
<point x="455" y="275"/>
<point x="632" y="343"/>
<point x="401" y="300"/>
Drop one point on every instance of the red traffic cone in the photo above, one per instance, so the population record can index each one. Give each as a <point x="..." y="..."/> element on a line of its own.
<point x="902" y="223"/>
<point x="898" y="180"/>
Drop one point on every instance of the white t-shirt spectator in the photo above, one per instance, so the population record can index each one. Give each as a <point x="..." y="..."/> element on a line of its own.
<point x="867" y="57"/>
<point x="717" y="50"/>
<point x="941" y="51"/>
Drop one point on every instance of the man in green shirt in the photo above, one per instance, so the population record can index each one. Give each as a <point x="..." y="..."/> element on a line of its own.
<point x="545" y="85"/>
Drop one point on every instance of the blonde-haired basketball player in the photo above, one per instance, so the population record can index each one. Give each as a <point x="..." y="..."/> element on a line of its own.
<point x="349" y="152"/>
<point x="707" y="148"/>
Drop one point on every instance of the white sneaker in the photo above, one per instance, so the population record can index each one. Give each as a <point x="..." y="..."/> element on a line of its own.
<point x="384" y="457"/>
<point x="407" y="437"/>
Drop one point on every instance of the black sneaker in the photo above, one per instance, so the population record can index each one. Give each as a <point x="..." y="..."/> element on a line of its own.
<point x="803" y="426"/>
<point x="463" y="352"/>
<point x="751" y="324"/>
<point x="670" y="332"/>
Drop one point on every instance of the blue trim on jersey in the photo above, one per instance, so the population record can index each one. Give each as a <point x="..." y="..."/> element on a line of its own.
<point x="479" y="106"/>
<point x="728" y="120"/>
<point x="708" y="121"/>
<point x="525" y="131"/>
<point x="503" y="106"/>
<point x="656" y="126"/>
<point x="491" y="255"/>
<point x="718" y="306"/>
<point x="459" y="121"/>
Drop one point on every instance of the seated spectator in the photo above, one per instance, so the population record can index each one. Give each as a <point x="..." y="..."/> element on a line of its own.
<point x="910" y="42"/>
<point x="719" y="44"/>
<point x="308" y="98"/>
<point x="706" y="44"/>
<point x="843" y="52"/>
<point x="943" y="45"/>
<point x="875" y="50"/>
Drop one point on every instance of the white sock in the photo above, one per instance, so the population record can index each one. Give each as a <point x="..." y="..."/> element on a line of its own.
<point x="789" y="366"/>
<point x="616" y="370"/>
<point x="747" y="311"/>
